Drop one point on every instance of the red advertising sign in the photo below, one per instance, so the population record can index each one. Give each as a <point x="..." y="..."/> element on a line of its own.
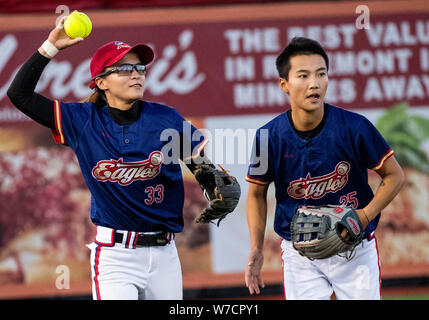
<point x="219" y="68"/>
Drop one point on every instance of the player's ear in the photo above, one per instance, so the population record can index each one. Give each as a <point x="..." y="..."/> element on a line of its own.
<point x="284" y="85"/>
<point x="101" y="83"/>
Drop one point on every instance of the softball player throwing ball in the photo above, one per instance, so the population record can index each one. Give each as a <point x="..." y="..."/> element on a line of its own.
<point x="318" y="154"/>
<point x="137" y="196"/>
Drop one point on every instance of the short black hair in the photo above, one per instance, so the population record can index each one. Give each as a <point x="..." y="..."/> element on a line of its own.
<point x="298" y="46"/>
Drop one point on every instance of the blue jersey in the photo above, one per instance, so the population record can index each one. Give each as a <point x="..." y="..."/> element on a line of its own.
<point x="132" y="185"/>
<point x="330" y="168"/>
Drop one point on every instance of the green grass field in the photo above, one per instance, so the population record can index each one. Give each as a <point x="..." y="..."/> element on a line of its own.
<point x="407" y="297"/>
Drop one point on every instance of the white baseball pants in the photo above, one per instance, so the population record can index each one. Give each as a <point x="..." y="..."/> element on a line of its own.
<point x="356" y="279"/>
<point x="121" y="272"/>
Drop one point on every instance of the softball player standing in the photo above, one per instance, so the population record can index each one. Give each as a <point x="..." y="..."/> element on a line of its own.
<point x="137" y="197"/>
<point x="318" y="154"/>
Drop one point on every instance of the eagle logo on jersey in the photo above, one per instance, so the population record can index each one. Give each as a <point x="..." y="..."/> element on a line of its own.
<point x="126" y="173"/>
<point x="317" y="187"/>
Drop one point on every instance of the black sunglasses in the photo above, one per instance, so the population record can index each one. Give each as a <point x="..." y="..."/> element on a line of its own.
<point x="125" y="70"/>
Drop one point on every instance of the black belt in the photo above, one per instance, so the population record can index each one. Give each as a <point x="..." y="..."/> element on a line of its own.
<point x="148" y="240"/>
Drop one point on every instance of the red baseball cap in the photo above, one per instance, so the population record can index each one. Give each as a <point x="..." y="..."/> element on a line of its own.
<point x="112" y="52"/>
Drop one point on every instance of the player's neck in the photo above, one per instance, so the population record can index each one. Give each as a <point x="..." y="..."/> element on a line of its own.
<point x="119" y="103"/>
<point x="121" y="106"/>
<point x="304" y="120"/>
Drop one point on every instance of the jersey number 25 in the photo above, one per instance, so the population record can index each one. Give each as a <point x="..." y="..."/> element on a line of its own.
<point x="349" y="200"/>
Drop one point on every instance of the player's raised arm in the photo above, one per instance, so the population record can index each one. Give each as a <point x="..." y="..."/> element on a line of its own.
<point x="21" y="91"/>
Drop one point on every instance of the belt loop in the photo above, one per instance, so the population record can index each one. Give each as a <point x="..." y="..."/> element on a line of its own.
<point x="170" y="236"/>
<point x="127" y="242"/>
<point x="132" y="240"/>
<point x="136" y="236"/>
<point x="124" y="236"/>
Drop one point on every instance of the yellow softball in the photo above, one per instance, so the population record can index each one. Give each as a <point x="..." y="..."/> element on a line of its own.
<point x="77" y="25"/>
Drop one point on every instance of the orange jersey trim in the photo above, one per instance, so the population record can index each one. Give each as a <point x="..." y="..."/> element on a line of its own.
<point x="256" y="181"/>
<point x="200" y="148"/>
<point x="385" y="157"/>
<point x="58" y="133"/>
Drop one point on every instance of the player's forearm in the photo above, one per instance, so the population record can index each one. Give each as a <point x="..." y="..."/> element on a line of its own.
<point x="392" y="181"/>
<point x="256" y="212"/>
<point x="388" y="189"/>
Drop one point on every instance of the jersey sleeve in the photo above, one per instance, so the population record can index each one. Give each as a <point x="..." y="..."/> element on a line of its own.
<point x="192" y="140"/>
<point x="372" y="148"/>
<point x="70" y="119"/>
<point x="260" y="169"/>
